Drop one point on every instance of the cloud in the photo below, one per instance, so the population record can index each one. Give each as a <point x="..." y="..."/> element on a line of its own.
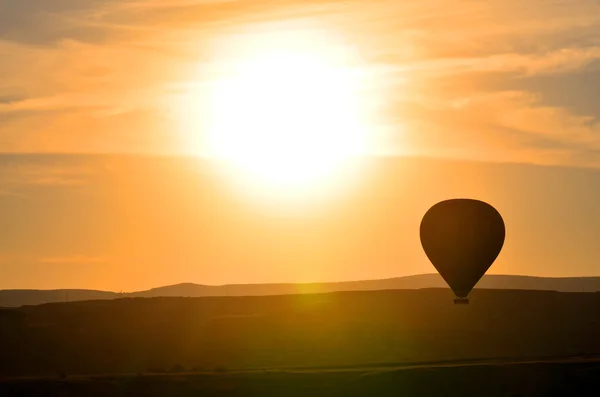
<point x="560" y="61"/>
<point x="47" y="23"/>
<point x="576" y="91"/>
<point x="504" y="126"/>
<point x="41" y="22"/>
<point x="94" y="75"/>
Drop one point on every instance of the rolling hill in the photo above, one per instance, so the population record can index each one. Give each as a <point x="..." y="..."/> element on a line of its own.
<point x="368" y="329"/>
<point x="16" y="298"/>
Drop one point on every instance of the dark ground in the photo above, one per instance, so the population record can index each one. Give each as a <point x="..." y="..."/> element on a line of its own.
<point x="295" y="345"/>
<point x="577" y="377"/>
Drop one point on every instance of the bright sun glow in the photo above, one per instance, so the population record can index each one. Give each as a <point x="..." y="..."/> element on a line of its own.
<point x="280" y="109"/>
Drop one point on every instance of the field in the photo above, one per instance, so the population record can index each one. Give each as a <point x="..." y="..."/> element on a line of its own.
<point x="567" y="377"/>
<point x="507" y="343"/>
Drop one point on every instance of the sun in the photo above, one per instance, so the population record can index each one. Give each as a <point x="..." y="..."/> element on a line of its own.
<point x="280" y="109"/>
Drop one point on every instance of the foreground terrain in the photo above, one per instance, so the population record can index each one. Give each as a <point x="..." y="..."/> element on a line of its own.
<point x="572" y="377"/>
<point x="335" y="330"/>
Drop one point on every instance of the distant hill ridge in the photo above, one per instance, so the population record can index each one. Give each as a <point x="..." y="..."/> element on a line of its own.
<point x="16" y="298"/>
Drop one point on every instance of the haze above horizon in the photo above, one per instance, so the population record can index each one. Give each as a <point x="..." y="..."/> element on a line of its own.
<point x="149" y="142"/>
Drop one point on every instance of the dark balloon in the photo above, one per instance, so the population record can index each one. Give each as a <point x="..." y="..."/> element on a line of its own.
<point x="462" y="238"/>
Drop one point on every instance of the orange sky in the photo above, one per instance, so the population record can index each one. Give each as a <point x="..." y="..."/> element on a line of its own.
<point x="510" y="85"/>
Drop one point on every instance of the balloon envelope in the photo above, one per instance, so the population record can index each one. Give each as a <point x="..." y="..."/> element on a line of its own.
<point x="462" y="238"/>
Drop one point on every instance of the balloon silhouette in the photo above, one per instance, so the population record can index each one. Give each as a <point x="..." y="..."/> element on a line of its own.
<point x="462" y="238"/>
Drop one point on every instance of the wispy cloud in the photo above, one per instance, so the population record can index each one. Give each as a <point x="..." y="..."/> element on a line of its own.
<point x="559" y="61"/>
<point x="93" y="75"/>
<point x="503" y="126"/>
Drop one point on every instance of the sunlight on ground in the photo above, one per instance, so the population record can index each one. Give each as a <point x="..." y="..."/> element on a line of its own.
<point x="281" y="108"/>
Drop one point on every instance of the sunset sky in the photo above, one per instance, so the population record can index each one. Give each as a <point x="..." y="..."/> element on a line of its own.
<point x="112" y="113"/>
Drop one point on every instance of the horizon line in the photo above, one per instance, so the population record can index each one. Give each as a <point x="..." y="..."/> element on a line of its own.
<point x="288" y="283"/>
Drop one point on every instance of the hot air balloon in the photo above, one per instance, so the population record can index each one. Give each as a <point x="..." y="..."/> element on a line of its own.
<point x="462" y="238"/>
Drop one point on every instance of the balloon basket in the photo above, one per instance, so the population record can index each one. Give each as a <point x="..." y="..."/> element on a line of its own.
<point x="461" y="301"/>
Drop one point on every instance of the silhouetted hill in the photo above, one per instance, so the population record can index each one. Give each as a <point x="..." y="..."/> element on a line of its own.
<point x="340" y="329"/>
<point x="16" y="298"/>
<point x="21" y="297"/>
<point x="572" y="284"/>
